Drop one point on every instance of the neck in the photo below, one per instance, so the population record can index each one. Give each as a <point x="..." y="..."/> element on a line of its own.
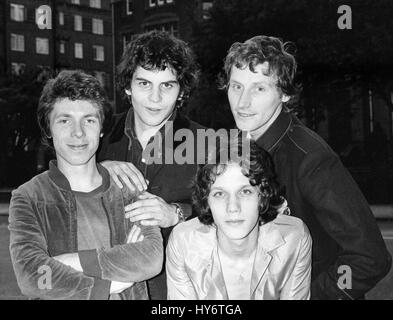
<point x="82" y="178"/>
<point x="258" y="132"/>
<point x="242" y="248"/>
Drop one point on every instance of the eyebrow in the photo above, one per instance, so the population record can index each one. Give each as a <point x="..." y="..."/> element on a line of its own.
<point x="67" y="115"/>
<point x="143" y="79"/>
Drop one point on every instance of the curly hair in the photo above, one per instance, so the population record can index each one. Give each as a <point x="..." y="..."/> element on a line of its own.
<point x="260" y="49"/>
<point x="257" y="166"/>
<point x="74" y="85"/>
<point x="157" y="50"/>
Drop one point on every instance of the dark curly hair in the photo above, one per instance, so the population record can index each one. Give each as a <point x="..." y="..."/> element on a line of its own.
<point x="260" y="49"/>
<point x="74" y="85"/>
<point x="157" y="50"/>
<point x="257" y="166"/>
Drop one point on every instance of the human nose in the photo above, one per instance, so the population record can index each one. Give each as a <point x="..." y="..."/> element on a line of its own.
<point x="233" y="205"/>
<point x="78" y="129"/>
<point x="245" y="99"/>
<point x="155" y="95"/>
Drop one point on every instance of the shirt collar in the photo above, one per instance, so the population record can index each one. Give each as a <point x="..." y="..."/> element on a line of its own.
<point x="276" y="131"/>
<point x="129" y="127"/>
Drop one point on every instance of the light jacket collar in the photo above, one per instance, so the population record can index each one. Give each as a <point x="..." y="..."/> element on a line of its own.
<point x="269" y="239"/>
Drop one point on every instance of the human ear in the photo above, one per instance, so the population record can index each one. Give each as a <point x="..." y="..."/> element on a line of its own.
<point x="285" y="98"/>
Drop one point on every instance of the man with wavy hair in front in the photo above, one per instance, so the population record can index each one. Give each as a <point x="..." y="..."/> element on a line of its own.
<point x="156" y="74"/>
<point x="259" y="79"/>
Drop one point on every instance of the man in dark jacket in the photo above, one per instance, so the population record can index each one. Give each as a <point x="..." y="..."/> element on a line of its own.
<point x="68" y="235"/>
<point x="349" y="254"/>
<point x="157" y="73"/>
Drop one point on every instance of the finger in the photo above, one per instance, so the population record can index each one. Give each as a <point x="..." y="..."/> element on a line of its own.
<point x="149" y="202"/>
<point x="130" y="234"/>
<point x="139" y="175"/>
<point x="135" y="235"/>
<point x="144" y="216"/>
<point x="152" y="222"/>
<point x="124" y="177"/>
<point x="135" y="176"/>
<point x="147" y="195"/>
<point x="140" y="238"/>
<point x="141" y="210"/>
<point x="115" y="178"/>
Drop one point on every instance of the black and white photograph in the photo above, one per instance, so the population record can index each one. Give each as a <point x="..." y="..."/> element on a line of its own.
<point x="173" y="151"/>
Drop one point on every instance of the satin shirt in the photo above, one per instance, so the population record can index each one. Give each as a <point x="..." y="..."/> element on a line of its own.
<point x="282" y="266"/>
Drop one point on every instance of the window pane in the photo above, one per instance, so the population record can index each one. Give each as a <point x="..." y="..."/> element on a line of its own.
<point x="79" y="50"/>
<point x="78" y="23"/>
<point x="42" y="45"/>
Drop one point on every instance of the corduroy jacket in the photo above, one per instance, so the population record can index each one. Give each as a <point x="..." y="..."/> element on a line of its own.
<point x="43" y="224"/>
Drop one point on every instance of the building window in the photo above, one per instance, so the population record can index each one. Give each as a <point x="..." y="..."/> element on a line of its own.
<point x="126" y="38"/>
<point x="17" y="42"/>
<point x="95" y="3"/>
<point x="206" y="6"/>
<point x="17" y="12"/>
<point x="75" y="1"/>
<point x="79" y="50"/>
<point x="61" y="18"/>
<point x="154" y="3"/>
<point x="170" y="27"/>
<point x="98" y="53"/>
<point x="98" y="26"/>
<point x="17" y="68"/>
<point x="101" y="76"/>
<point x="62" y="47"/>
<point x="77" y="23"/>
<point x="42" y="45"/>
<point x="129" y="6"/>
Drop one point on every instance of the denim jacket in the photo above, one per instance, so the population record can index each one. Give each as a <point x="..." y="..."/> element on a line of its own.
<point x="43" y="224"/>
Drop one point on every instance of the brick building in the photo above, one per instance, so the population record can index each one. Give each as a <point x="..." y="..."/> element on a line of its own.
<point x="79" y="37"/>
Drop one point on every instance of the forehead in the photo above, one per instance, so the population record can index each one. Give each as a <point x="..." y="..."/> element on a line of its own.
<point x="66" y="106"/>
<point x="231" y="178"/>
<point x="168" y="74"/>
<point x="260" y="74"/>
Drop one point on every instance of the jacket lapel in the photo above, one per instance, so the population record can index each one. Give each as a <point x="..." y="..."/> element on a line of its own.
<point x="269" y="240"/>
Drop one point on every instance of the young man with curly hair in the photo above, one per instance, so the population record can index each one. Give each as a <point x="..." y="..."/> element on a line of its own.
<point x="242" y="245"/>
<point x="260" y="86"/>
<point x="68" y="235"/>
<point x="157" y="73"/>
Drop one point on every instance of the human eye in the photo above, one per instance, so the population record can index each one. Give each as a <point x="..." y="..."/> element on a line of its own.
<point x="218" y="194"/>
<point x="167" y="85"/>
<point x="260" y="88"/>
<point x="235" y="87"/>
<point x="91" y="120"/>
<point x="246" y="192"/>
<point x="63" y="121"/>
<point x="143" y="84"/>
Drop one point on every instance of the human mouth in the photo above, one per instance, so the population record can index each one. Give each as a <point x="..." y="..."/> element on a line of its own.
<point x="234" y="222"/>
<point x="77" y="147"/>
<point x="153" y="110"/>
<point x="245" y="115"/>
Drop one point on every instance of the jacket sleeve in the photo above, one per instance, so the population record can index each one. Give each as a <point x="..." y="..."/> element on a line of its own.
<point x="38" y="275"/>
<point x="131" y="262"/>
<point x="342" y="210"/>
<point x="298" y="285"/>
<point x="178" y="283"/>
